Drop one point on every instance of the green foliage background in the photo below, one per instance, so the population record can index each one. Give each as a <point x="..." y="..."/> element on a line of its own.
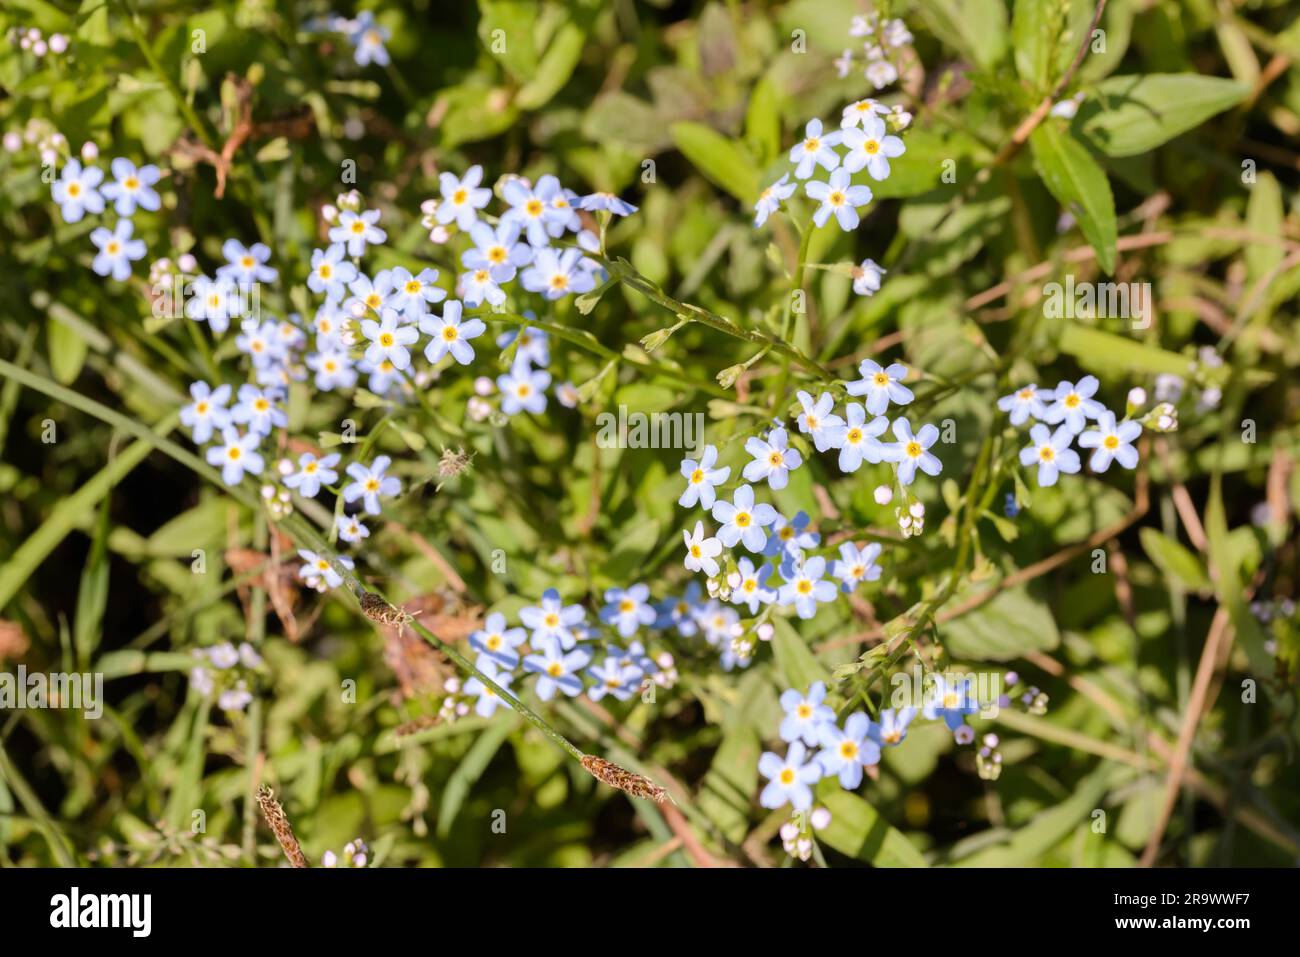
<point x="97" y="530"/>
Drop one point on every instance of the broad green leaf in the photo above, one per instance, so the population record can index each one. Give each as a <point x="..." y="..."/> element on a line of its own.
<point x="1002" y="629"/>
<point x="1130" y="114"/>
<point x="67" y="350"/>
<point x="555" y="68"/>
<point x="505" y="28"/>
<point x="729" y="785"/>
<point x="1226" y="560"/>
<point x="857" y="830"/>
<point x="723" y="161"/>
<point x="1175" y="560"/>
<point x="976" y="27"/>
<point x="763" y="122"/>
<point x="1080" y="185"/>
<point x="1033" y="37"/>
<point x="794" y="658"/>
<point x="1101" y="351"/>
<point x="1264" y="215"/>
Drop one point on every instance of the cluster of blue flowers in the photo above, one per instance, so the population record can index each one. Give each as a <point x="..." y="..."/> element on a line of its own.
<point x="81" y="189"/>
<point x="1069" y="407"/>
<point x="844" y="750"/>
<point x="363" y="32"/>
<point x="763" y="531"/>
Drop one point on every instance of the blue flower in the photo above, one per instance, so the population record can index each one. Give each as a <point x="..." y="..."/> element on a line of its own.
<point x="534" y="344"/>
<point x="804" y="714"/>
<point x="839" y="198"/>
<point x="318" y="568"/>
<point x="462" y="198"/>
<point x="1025" y="402"/>
<point x="236" y="455"/>
<point x="1110" y="441"/>
<point x="701" y="552"/>
<point x="330" y="272"/>
<point x="892" y="728"/>
<point x="497" y="642"/>
<point x="257" y="409"/>
<point x="450" y="334"/>
<point x="1052" y="452"/>
<point x="720" y="623"/>
<point x="557" y="669"/>
<point x="1075" y="404"/>
<point x="861" y="438"/>
<point x="606" y="201"/>
<point x="357" y="230"/>
<point x="881" y="386"/>
<point x="680" y="613"/>
<point x="246" y="264"/>
<point x="552" y="620"/>
<point x="528" y="209"/>
<point x="371" y="295"/>
<point x="117" y="250"/>
<point x="497" y="251"/>
<point x="627" y="609"/>
<point x="351" y="529"/>
<point x="871" y="147"/>
<point x="804" y="587"/>
<point x="773" y="459"/>
<point x="488" y="700"/>
<point x="814" y="150"/>
<point x="370" y="482"/>
<point x="615" y="677"/>
<point x="911" y="452"/>
<point x="523" y="389"/>
<point x="748" y="588"/>
<point x="313" y="473"/>
<point x="788" y="778"/>
<point x="132" y="187"/>
<point x="207" y="411"/>
<point x="412" y="294"/>
<point x="210" y="301"/>
<point x="770" y="200"/>
<point x="333" y="369"/>
<point x="857" y="565"/>
<point x="819" y="421"/>
<point x="368" y="38"/>
<point x="476" y="286"/>
<point x="846" y="752"/>
<point x="388" y="340"/>
<point x="701" y="477"/>
<point x="950" y="701"/>
<point x="261" y="343"/>
<point x="556" y="275"/>
<point x="1010" y="508"/>
<point x="76" y="193"/>
<point x="791" y="538"/>
<point x="742" y="520"/>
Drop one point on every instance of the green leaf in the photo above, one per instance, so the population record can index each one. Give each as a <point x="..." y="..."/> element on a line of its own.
<point x="555" y="68"/>
<point x="505" y="28"/>
<point x="1175" y="560"/>
<point x="1101" y="351"/>
<point x="1126" y="115"/>
<point x="1264" y="215"/>
<point x="67" y="350"/>
<point x="727" y="792"/>
<point x="794" y="658"/>
<point x="723" y="161"/>
<point x="978" y="28"/>
<point x="1229" y="585"/>
<point x="92" y="593"/>
<point x="470" y="769"/>
<point x="1033" y="38"/>
<point x="1002" y="629"/>
<point x="1080" y="185"/>
<point x="857" y="830"/>
<point x="763" y="122"/>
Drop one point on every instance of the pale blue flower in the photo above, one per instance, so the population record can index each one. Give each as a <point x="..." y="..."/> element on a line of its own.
<point x="358" y="230"/>
<point x="892" y="728"/>
<point x="701" y="478"/>
<point x="333" y="367"/>
<point x="701" y="552"/>
<point x="313" y="473"/>
<point x="804" y="587"/>
<point x="351" y="529"/>
<point x="789" y="778"/>
<point x="950" y="701"/>
<point x="845" y="753"/>
<point x="370" y="482"/>
<point x="246" y="264"/>
<point x="606" y="201"/>
<point x="1052" y="452"/>
<point x="614" y="677"/>
<point x="770" y="200"/>
<point x="132" y="187"/>
<point x="462" y="198"/>
<point x="680" y="613"/>
<point x="838" y="198"/>
<point x="497" y="642"/>
<point x="804" y="714"/>
<point x="523" y="389"/>
<point x="881" y="385"/>
<point x="330" y="272"/>
<point x="1025" y="402"/>
<point x="857" y="565"/>
<point x="207" y="412"/>
<point x="488" y="700"/>
<point x="210" y="301"/>
<point x="557" y="274"/>
<point x="368" y="38"/>
<point x="370" y="295"/>
<point x="557" y="669"/>
<point x="871" y="147"/>
<point x="819" y="421"/>
<point x="318" y="568"/>
<point x="236" y="455"/>
<point x="815" y="149"/>
<point x="1110" y="441"/>
<point x="553" y="621"/>
<point x="117" y="250"/>
<point x="742" y="520"/>
<point x="1075" y="404"/>
<point x="498" y="251"/>
<point x="261" y="343"/>
<point x="627" y="609"/>
<point x="534" y="344"/>
<point x="528" y="209"/>
<point x="389" y="339"/>
<point x="258" y="410"/>
<point x="748" y="585"/>
<point x="412" y="294"/>
<point x="911" y="452"/>
<point x="449" y="334"/>
<point x="773" y="459"/>
<point x="861" y="438"/>
<point x="76" y="191"/>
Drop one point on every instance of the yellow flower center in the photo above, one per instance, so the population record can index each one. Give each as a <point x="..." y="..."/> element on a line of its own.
<point x="201" y="408"/>
<point x="555" y="669"/>
<point x="386" y="339"/>
<point x="234" y="452"/>
<point x="804" y="587"/>
<point x="697" y="476"/>
<point x="804" y="710"/>
<point x="695" y="551"/>
<point x="497" y="254"/>
<point x="131" y="183"/>
<point x="775" y="459"/>
<point x="449" y="333"/>
<point x="626" y="606"/>
<point x="848" y="750"/>
<point x="247" y="262"/>
<point x="325" y="271"/>
<point x="854" y="436"/>
<point x="787" y="776"/>
<point x="914" y="450"/>
<point x="412" y="287"/>
<point x="372" y="485"/>
<point x="261" y="405"/>
<point x="113" y="248"/>
<point x="494" y="642"/>
<point x="1072" y="400"/>
<point x="1047" y="453"/>
<point x="534" y="208"/>
<point x="742" y="519"/>
<point x="871" y="147"/>
<point x="459" y="196"/>
<point x="551" y="620"/>
<point x="812" y="144"/>
<point x="880" y="379"/>
<point x="358" y="227"/>
<point x="559" y="281"/>
<point x="1111" y="442"/>
<point x="836" y="198"/>
<point x="74" y="189"/>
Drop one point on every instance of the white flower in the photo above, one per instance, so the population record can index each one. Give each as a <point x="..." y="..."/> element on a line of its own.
<point x="450" y="334"/>
<point x="76" y="191"/>
<point x="773" y="459"/>
<point x="911" y="451"/>
<point x="861" y="439"/>
<point x="838" y="197"/>
<point x="701" y="552"/>
<point x="867" y="277"/>
<point x="236" y="455"/>
<point x="857" y="565"/>
<point x="358" y="229"/>
<point x="881" y="73"/>
<point x="854" y="114"/>
<point x="462" y="198"/>
<point x="742" y="520"/>
<point x="701" y="477"/>
<point x="1074" y="404"/>
<point x="117" y="250"/>
<point x="388" y="340"/>
<point x="1025" y="402"/>
<point x="770" y="200"/>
